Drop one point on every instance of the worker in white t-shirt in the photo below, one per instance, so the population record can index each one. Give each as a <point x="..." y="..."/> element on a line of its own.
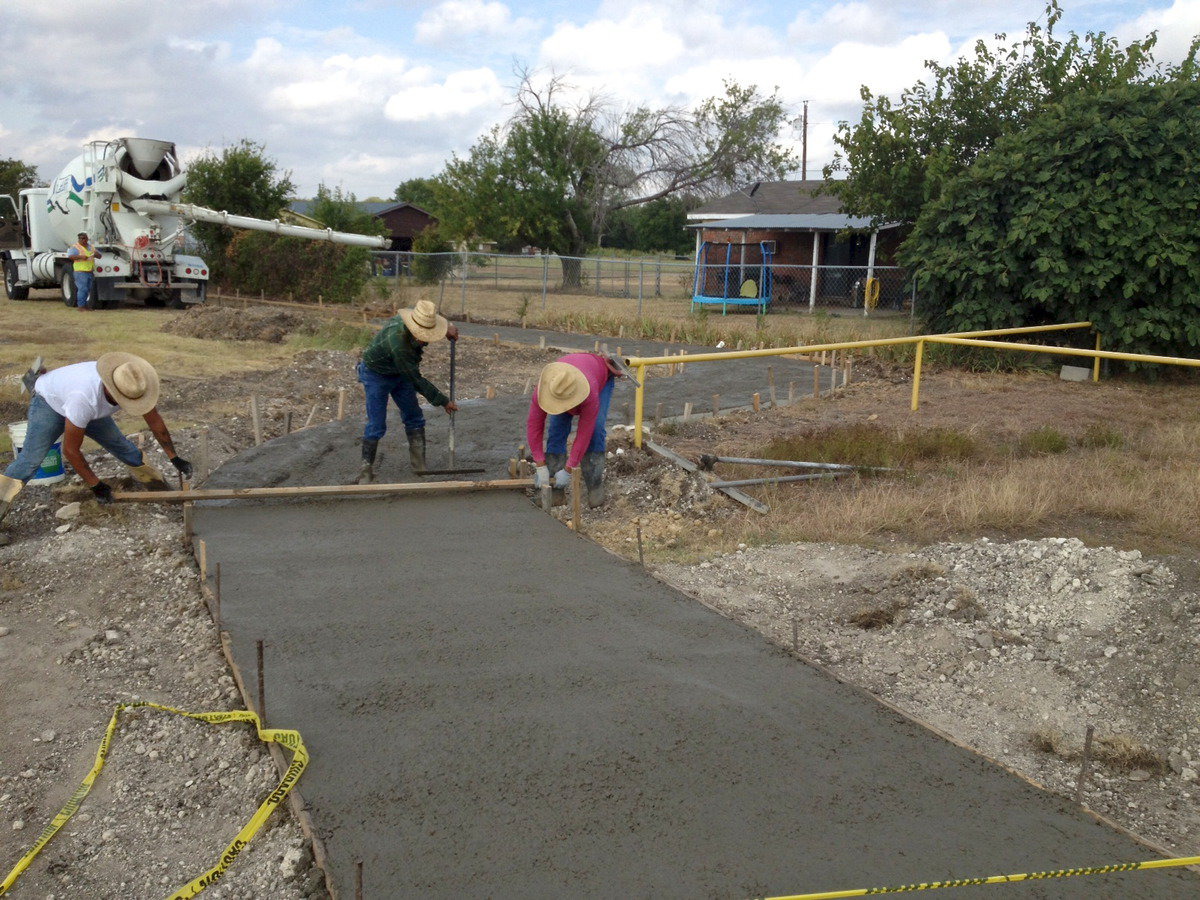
<point x="78" y="401"/>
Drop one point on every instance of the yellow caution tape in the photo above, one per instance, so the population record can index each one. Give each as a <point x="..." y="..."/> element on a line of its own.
<point x="284" y="737"/>
<point x="999" y="879"/>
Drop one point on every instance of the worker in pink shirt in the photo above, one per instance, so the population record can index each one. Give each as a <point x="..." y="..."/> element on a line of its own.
<point x="577" y="385"/>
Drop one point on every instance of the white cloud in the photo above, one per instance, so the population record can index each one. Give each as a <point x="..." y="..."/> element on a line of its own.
<point x="1177" y="26"/>
<point x="453" y="21"/>
<point x="461" y="94"/>
<point x="856" y="21"/>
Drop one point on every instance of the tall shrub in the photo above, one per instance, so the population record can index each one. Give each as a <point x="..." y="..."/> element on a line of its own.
<point x="1088" y="213"/>
<point x="260" y="261"/>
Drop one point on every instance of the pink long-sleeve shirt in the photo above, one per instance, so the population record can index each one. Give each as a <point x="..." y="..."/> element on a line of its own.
<point x="596" y="371"/>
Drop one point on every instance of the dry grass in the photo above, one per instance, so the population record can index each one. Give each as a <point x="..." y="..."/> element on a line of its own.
<point x="1121" y="752"/>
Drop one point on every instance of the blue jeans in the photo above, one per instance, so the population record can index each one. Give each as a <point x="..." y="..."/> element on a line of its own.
<point x="378" y="388"/>
<point x="559" y="426"/>
<point x="84" y="282"/>
<point x="46" y="426"/>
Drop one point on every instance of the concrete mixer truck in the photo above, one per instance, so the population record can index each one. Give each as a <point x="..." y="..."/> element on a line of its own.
<point x="125" y="195"/>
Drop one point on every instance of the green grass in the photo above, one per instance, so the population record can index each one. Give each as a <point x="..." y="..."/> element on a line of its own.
<point x="872" y="445"/>
<point x="1043" y="441"/>
<point x="332" y="336"/>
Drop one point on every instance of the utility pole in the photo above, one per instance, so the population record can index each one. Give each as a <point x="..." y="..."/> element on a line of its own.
<point x="804" y="146"/>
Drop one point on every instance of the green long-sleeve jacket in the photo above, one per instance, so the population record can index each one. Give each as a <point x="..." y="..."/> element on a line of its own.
<point x="395" y="352"/>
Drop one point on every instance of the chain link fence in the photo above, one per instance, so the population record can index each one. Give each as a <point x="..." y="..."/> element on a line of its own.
<point x="484" y="284"/>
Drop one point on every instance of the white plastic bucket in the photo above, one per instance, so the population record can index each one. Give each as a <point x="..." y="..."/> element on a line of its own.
<point x="51" y="470"/>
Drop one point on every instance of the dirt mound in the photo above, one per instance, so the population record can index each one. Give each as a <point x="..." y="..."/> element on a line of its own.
<point x="225" y="324"/>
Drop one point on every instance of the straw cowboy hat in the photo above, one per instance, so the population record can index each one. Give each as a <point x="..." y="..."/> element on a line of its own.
<point x="561" y="386"/>
<point x="424" y="323"/>
<point x="130" y="381"/>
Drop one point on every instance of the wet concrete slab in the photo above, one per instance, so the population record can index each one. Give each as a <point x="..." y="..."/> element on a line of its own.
<point x="496" y="705"/>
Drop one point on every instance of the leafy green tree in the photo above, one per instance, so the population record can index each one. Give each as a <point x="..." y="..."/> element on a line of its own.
<point x="556" y="171"/>
<point x="899" y="156"/>
<point x="239" y="179"/>
<point x="659" y="226"/>
<point x="16" y="176"/>
<point x="419" y="192"/>
<point x="339" y="210"/>
<point x="1087" y="213"/>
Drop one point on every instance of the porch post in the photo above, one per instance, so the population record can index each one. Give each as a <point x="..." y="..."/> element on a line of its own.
<point x="870" y="272"/>
<point x="812" y="286"/>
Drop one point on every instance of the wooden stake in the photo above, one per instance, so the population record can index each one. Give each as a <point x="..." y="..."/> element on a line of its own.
<point x="716" y="398"/>
<point x="771" y="385"/>
<point x="849" y="369"/>
<point x="687" y="412"/>
<point x="542" y="342"/>
<point x="795" y="636"/>
<point x="1084" y="765"/>
<point x="358" y="887"/>
<point x="341" y="413"/>
<point x="512" y="467"/>
<point x="491" y="392"/>
<point x="816" y="382"/>
<point x="262" y="694"/>
<point x="791" y="391"/>
<point x="658" y="411"/>
<point x="577" y="499"/>
<point x="757" y="401"/>
<point x="596" y="348"/>
<point x="287" y="422"/>
<point x="628" y="413"/>
<point x="528" y="385"/>
<point x="496" y="339"/>
<point x="255" y="420"/>
<point x="620" y="334"/>
<point x="641" y="555"/>
<point x="202" y="561"/>
<point x="619" y="353"/>
<point x="312" y="415"/>
<point x="187" y="520"/>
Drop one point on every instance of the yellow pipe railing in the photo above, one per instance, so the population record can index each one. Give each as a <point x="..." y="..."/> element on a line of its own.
<point x="641" y="362"/>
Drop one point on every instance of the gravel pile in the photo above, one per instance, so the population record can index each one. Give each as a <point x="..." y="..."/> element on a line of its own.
<point x="1012" y="648"/>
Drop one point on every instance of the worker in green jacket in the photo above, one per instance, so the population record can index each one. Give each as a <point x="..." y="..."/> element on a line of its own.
<point x="391" y="367"/>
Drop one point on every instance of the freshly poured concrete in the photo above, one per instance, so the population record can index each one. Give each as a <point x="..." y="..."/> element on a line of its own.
<point x="495" y="705"/>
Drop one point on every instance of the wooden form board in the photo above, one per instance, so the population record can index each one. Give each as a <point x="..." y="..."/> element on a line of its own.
<point x="331" y="490"/>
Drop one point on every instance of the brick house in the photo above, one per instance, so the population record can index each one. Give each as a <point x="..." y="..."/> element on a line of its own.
<point x="404" y="220"/>
<point x="806" y="226"/>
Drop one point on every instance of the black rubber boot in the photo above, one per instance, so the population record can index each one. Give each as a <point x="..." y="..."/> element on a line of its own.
<point x="593" y="477"/>
<point x="416" y="450"/>
<point x="366" y="475"/>
<point x="556" y="462"/>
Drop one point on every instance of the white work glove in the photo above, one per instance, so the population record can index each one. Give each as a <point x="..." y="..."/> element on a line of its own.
<point x="541" y="477"/>
<point x="562" y="479"/>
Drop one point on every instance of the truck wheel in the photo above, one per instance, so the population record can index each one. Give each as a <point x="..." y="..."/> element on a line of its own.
<point x="10" y="283"/>
<point x="66" y="281"/>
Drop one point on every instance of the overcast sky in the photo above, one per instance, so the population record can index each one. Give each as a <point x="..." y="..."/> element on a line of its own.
<point x="366" y="93"/>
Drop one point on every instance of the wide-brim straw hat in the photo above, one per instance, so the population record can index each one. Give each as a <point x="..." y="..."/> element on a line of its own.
<point x="561" y="386"/>
<point x="424" y="323"/>
<point x="130" y="381"/>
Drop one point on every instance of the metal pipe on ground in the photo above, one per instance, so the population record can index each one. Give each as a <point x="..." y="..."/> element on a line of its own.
<point x="707" y="462"/>
<point x="777" y="480"/>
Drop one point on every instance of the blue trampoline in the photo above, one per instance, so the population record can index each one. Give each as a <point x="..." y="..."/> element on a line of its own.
<point x="733" y="275"/>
